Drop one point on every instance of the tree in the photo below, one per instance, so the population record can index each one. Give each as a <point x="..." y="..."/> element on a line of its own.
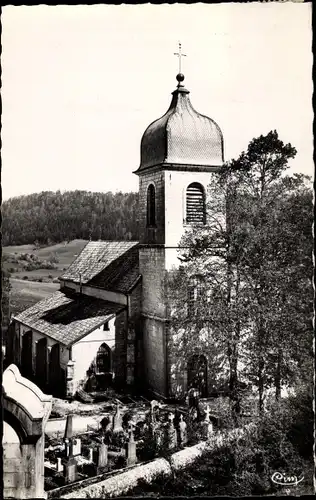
<point x="255" y="256"/>
<point x="5" y="303"/>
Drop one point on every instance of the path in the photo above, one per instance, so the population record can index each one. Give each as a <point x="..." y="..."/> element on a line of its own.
<point x="79" y="424"/>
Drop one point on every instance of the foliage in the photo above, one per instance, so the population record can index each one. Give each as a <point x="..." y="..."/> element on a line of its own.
<point x="253" y="317"/>
<point x="246" y="465"/>
<point x="49" y="217"/>
<point x="5" y="302"/>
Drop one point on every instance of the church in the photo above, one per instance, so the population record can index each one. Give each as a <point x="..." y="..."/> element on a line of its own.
<point x="108" y="324"/>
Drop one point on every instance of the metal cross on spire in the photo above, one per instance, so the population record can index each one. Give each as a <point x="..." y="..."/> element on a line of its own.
<point x="179" y="54"/>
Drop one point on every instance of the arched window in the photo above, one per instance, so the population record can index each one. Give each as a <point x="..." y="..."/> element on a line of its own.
<point x="196" y="291"/>
<point x="103" y="361"/>
<point x="151" y="206"/>
<point x="195" y="204"/>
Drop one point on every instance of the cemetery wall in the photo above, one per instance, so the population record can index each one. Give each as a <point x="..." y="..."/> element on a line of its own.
<point x="120" y="484"/>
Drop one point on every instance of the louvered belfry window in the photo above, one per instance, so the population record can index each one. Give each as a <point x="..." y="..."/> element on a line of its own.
<point x="151" y="206"/>
<point x="195" y="204"/>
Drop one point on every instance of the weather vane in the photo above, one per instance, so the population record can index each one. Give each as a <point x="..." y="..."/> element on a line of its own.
<point x="179" y="55"/>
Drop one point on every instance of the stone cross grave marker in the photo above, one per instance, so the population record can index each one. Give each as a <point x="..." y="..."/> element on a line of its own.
<point x="183" y="431"/>
<point x="131" y="446"/>
<point x="207" y="426"/>
<point x="171" y="433"/>
<point x="207" y="414"/>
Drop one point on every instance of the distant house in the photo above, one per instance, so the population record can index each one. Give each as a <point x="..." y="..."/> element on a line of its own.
<point x="108" y="323"/>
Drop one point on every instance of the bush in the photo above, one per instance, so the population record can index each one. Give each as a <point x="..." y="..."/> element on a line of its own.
<point x="53" y="258"/>
<point x="25" y="277"/>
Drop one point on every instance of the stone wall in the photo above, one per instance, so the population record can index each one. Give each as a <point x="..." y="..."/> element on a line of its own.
<point x="152" y="235"/>
<point x="152" y="269"/>
<point x="153" y="313"/>
<point x="85" y="350"/>
<point x="155" y="355"/>
<point x="25" y="413"/>
<point x="37" y="367"/>
<point x="121" y="328"/>
<point x="124" y="482"/>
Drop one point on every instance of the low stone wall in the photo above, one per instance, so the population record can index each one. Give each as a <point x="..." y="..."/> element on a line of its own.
<point x="122" y="483"/>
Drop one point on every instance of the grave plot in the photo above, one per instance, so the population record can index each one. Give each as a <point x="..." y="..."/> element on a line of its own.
<point x="134" y="433"/>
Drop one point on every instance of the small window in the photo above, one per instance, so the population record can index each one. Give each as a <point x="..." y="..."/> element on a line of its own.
<point x="151" y="206"/>
<point x="196" y="291"/>
<point x="195" y="204"/>
<point x="106" y="327"/>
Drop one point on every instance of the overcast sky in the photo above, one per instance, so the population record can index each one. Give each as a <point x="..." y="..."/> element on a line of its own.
<point x="81" y="84"/>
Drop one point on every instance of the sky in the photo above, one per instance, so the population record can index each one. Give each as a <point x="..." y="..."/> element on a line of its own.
<point x="80" y="84"/>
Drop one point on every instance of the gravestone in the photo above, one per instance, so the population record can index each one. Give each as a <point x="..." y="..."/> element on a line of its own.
<point x="207" y="426"/>
<point x="131" y="446"/>
<point x="25" y="413"/>
<point x="102" y="460"/>
<point x="76" y="447"/>
<point x="171" y="433"/>
<point x="90" y="455"/>
<point x="68" y="437"/>
<point x="59" y="467"/>
<point x="117" y="421"/>
<point x="70" y="386"/>
<point x="70" y="470"/>
<point x="183" y="438"/>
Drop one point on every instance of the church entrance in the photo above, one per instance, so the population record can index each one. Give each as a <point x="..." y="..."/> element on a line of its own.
<point x="197" y="374"/>
<point x="104" y="367"/>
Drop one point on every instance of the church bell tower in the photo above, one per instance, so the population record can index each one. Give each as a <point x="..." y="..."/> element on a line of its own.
<point x="179" y="151"/>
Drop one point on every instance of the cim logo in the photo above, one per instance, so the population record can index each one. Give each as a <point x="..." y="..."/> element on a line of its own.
<point x="285" y="480"/>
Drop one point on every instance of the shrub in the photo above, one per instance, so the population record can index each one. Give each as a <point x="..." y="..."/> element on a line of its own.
<point x="53" y="258"/>
<point x="25" y="277"/>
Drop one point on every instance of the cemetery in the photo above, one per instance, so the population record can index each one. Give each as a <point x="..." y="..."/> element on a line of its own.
<point x="131" y="435"/>
<point x="123" y="439"/>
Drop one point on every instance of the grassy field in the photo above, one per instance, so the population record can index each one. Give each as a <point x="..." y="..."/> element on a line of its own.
<point x="64" y="252"/>
<point x="25" y="293"/>
<point x="26" y="290"/>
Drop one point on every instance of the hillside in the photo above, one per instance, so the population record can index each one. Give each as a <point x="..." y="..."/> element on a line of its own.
<point x="49" y="217"/>
<point x="33" y="271"/>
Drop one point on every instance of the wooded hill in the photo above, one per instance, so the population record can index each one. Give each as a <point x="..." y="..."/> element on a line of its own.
<point x="51" y="217"/>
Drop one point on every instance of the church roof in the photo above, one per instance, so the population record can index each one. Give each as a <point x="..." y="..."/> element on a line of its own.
<point x="121" y="275"/>
<point x="108" y="264"/>
<point x="67" y="317"/>
<point x="182" y="136"/>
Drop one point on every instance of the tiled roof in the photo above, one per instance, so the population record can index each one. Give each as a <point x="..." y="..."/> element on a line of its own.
<point x="68" y="317"/>
<point x="95" y="257"/>
<point x="121" y="275"/>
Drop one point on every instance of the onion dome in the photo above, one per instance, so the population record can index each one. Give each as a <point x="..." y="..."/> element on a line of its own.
<point x="182" y="136"/>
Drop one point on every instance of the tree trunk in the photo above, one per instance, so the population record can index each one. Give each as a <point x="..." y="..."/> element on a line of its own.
<point x="278" y="375"/>
<point x="233" y="385"/>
